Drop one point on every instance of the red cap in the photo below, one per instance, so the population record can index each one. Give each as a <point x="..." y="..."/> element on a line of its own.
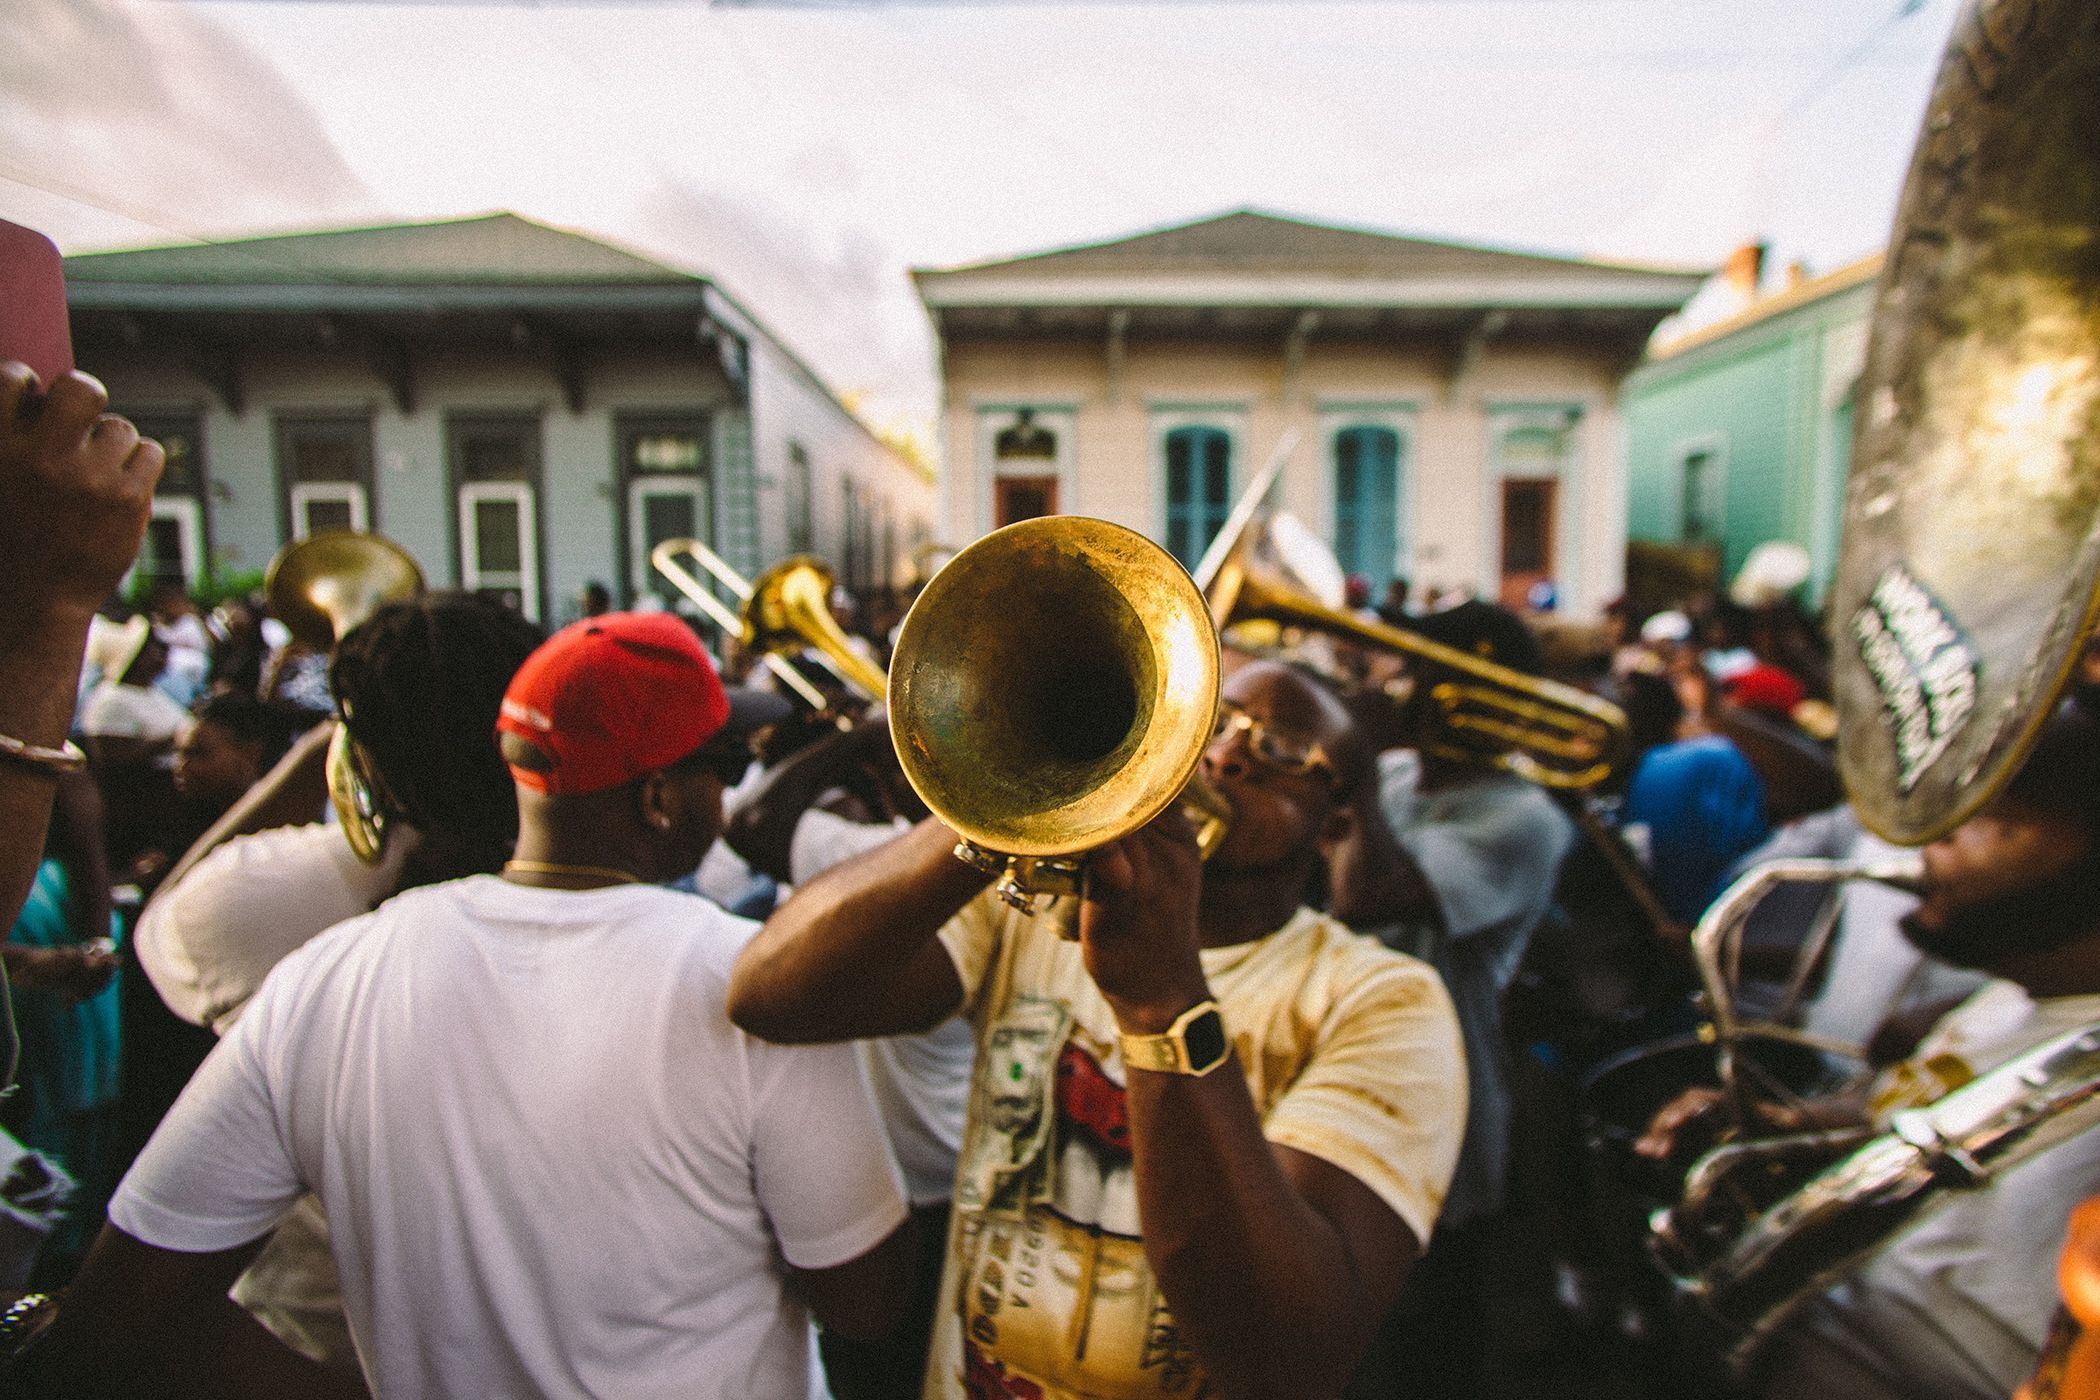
<point x="1766" y="687"/>
<point x="611" y="698"/>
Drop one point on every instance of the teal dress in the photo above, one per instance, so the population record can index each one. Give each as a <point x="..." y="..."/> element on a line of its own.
<point x="65" y="1094"/>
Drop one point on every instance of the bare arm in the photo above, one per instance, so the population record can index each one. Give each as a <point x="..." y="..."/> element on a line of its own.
<point x="866" y="1297"/>
<point x="853" y="954"/>
<point x="1689" y="1123"/>
<point x="1371" y="878"/>
<point x="137" y="1316"/>
<point x="76" y="842"/>
<point x="78" y="485"/>
<point x="762" y="829"/>
<point x="291" y="794"/>
<point x="1277" y="1264"/>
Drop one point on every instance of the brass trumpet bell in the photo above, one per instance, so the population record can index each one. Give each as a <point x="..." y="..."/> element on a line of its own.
<point x="1053" y="689"/>
<point x="319" y="588"/>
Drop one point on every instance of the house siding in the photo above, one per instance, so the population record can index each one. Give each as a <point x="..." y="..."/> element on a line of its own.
<point x="1775" y="397"/>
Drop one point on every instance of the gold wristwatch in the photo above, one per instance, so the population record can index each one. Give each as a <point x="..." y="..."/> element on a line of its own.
<point x="1194" y="1044"/>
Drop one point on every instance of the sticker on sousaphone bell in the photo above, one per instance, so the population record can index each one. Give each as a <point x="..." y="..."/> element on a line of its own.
<point x="1923" y="666"/>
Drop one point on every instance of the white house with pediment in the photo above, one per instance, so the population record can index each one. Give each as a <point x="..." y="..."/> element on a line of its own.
<point x="1458" y="407"/>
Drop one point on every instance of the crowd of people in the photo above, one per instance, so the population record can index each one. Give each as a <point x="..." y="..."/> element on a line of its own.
<point x="669" y="1048"/>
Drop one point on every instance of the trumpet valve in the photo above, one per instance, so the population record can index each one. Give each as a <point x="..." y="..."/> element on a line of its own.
<point x="979" y="859"/>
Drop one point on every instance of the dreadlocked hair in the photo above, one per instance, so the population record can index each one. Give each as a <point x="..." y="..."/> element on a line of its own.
<point x="419" y="684"/>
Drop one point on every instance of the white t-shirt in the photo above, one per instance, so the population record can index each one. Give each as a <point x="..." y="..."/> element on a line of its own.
<point x="208" y="942"/>
<point x="114" y="711"/>
<point x="921" y="1082"/>
<point x="552" y="1167"/>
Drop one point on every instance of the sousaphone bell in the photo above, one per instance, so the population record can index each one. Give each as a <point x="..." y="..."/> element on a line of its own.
<point x="1968" y="581"/>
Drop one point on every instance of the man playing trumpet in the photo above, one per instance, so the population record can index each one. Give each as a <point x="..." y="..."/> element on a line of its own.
<point x="1207" y="1139"/>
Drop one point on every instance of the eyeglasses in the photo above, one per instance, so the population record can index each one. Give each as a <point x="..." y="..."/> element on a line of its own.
<point x="1279" y="748"/>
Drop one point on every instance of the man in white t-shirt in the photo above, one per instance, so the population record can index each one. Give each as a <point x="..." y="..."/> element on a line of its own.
<point x="793" y="825"/>
<point x="1208" y="1137"/>
<point x="551" y="1166"/>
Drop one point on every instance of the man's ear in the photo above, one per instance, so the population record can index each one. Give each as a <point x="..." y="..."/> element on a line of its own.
<point x="654" y="799"/>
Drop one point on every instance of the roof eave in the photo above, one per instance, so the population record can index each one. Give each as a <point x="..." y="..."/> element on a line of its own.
<point x="1661" y="293"/>
<point x="1808" y="293"/>
<point x="250" y="298"/>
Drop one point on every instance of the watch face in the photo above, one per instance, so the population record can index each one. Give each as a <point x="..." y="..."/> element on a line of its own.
<point x="1204" y="1038"/>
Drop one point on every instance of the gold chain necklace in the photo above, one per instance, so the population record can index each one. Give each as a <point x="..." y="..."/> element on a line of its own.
<point x="545" y="867"/>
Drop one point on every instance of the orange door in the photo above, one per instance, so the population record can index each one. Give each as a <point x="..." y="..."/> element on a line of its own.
<point x="1023" y="498"/>
<point x="1529" y="507"/>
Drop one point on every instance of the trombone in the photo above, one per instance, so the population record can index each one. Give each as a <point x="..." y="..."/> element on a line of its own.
<point x="1552" y="734"/>
<point x="787" y="606"/>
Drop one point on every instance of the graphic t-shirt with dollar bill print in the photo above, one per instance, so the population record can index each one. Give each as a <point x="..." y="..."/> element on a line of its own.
<point x="1351" y="1051"/>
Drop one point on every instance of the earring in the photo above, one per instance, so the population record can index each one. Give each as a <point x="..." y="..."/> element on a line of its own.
<point x="663" y="822"/>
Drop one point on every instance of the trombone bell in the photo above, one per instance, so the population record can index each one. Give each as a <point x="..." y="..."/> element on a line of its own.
<point x="786" y="609"/>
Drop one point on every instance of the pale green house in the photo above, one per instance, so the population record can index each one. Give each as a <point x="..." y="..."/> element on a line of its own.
<point x="1741" y="432"/>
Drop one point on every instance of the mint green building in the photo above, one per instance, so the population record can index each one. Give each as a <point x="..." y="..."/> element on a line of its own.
<point x="1741" y="431"/>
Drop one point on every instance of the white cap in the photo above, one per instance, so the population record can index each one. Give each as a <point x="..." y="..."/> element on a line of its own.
<point x="1672" y="626"/>
<point x="1773" y="570"/>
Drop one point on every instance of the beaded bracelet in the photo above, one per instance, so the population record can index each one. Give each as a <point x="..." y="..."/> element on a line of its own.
<point x="24" y="1323"/>
<point x="55" y="762"/>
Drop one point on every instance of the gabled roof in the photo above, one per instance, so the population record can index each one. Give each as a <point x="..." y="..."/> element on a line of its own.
<point x="1248" y="241"/>
<point x="1249" y="258"/>
<point x="495" y="249"/>
<point x="495" y="279"/>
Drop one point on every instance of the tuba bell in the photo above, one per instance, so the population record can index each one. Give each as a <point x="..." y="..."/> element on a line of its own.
<point x="1054" y="688"/>
<point x="319" y="588"/>
<point x="1968" y="580"/>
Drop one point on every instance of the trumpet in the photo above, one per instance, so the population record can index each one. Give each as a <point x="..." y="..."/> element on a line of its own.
<point x="319" y="588"/>
<point x="787" y="607"/>
<point x="1054" y="688"/>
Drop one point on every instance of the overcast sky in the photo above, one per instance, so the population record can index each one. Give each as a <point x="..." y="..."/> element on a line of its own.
<point x="807" y="156"/>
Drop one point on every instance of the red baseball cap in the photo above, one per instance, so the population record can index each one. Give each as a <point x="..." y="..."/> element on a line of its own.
<point x="1766" y="687"/>
<point x="613" y="697"/>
